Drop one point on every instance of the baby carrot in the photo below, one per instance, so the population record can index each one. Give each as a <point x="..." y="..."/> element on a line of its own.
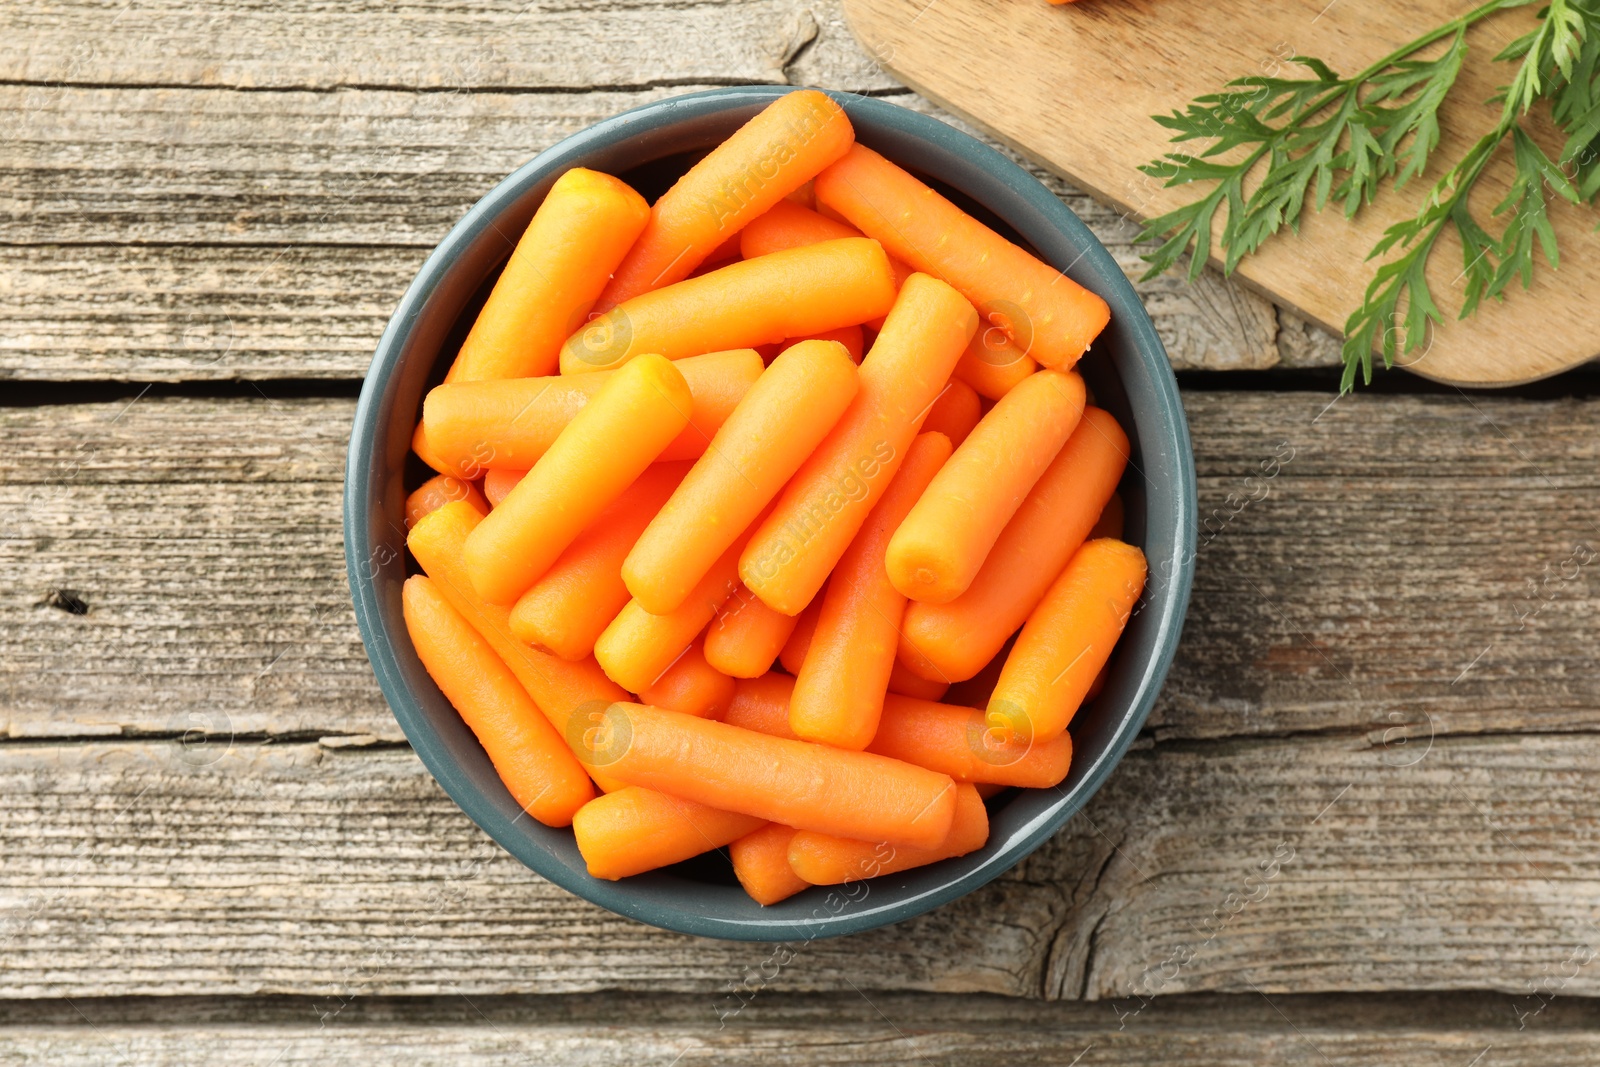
<point x="438" y="491"/>
<point x="780" y="421"/>
<point x="1066" y="640"/>
<point x="474" y="426"/>
<point x="766" y="159"/>
<point x="794" y="650"/>
<point x="797" y="293"/>
<point x="849" y="336"/>
<point x="692" y="686"/>
<point x="635" y="830"/>
<point x="603" y="449"/>
<point x="952" y="642"/>
<point x="825" y="503"/>
<point x="746" y="636"/>
<point x="786" y="225"/>
<point x="955" y="413"/>
<point x="579" y="235"/>
<point x="531" y="758"/>
<point x="497" y="484"/>
<point x="1051" y="316"/>
<point x="839" y="692"/>
<point x="821" y="859"/>
<point x="762" y="704"/>
<point x="809" y="787"/>
<point x="637" y="646"/>
<point x="1109" y="524"/>
<point x="959" y="742"/>
<point x="938" y="550"/>
<point x="906" y="682"/>
<point x="992" y="364"/>
<point x="761" y="863"/>
<point x="568" y="693"/>
<point x="572" y="602"/>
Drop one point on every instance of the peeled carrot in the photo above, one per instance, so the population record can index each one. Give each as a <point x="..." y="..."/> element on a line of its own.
<point x="793" y="654"/>
<point x="951" y="642"/>
<point x="761" y="863"/>
<point x="849" y="336"/>
<point x="746" y="636"/>
<point x="838" y="695"/>
<point x="566" y="610"/>
<point x="692" y="686"/>
<point x="943" y="542"/>
<point x="1109" y="524"/>
<point x="531" y="758"/>
<point x="762" y="705"/>
<point x="477" y="426"/>
<point x="577" y="238"/>
<point x="1049" y="315"/>
<point x="766" y="159"/>
<point x="821" y="859"/>
<point x="904" y="681"/>
<point x="797" y="293"/>
<point x="438" y="491"/>
<point x="805" y="196"/>
<point x="567" y="693"/>
<point x="959" y="742"/>
<point x="809" y="787"/>
<point x="783" y="417"/>
<point x="955" y="413"/>
<point x="602" y="450"/>
<point x="637" y="646"/>
<point x="1067" y="639"/>
<point x="825" y="503"/>
<point x="786" y="225"/>
<point x="497" y="484"/>
<point x="634" y="830"/>
<point x="992" y="364"/>
<point x="726" y="252"/>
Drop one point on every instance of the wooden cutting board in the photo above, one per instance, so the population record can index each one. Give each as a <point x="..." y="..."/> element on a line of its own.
<point x="1074" y="87"/>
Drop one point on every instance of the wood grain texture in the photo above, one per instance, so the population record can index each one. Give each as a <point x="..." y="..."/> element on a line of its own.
<point x="165" y="867"/>
<point x="168" y="234"/>
<point x="1096" y="73"/>
<point x="203" y="536"/>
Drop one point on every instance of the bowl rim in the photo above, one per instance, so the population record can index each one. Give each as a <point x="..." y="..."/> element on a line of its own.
<point x="360" y="525"/>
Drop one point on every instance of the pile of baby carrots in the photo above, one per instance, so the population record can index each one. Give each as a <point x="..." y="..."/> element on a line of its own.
<point x="734" y="487"/>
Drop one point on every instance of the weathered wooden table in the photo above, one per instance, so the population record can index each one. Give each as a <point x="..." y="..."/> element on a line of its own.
<point x="1360" y="829"/>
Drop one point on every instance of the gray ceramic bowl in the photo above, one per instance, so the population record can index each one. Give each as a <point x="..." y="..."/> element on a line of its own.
<point x="649" y="146"/>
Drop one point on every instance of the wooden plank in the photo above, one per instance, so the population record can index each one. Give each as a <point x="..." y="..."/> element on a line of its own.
<point x="203" y="536"/>
<point x="159" y="868"/>
<point x="167" y="234"/>
<point x="484" y="44"/>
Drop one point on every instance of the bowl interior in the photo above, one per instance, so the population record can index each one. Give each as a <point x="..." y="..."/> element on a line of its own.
<point x="1127" y="372"/>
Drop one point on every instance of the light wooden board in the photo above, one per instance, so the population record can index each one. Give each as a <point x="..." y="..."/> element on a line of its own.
<point x="204" y="537"/>
<point x="1075" y="87"/>
<point x="156" y="868"/>
<point x="183" y="234"/>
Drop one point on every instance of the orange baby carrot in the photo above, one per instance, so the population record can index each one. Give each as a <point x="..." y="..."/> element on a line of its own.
<point x="497" y="484"/>
<point x="849" y="336"/>
<point x="797" y="293"/>
<point x="783" y="417"/>
<point x="767" y="158"/>
<point x="821" y="859"/>
<point x="809" y="787"/>
<point x="746" y="636"/>
<point x="839" y="692"/>
<point x="825" y="503"/>
<point x="794" y="650"/>
<point x="477" y="426"/>
<point x="566" y="256"/>
<point x="762" y="704"/>
<point x="959" y="742"/>
<point x="572" y="602"/>
<point x="952" y="642"/>
<point x="955" y="413"/>
<point x="726" y="252"/>
<point x="531" y="758"/>
<point x="906" y="682"/>
<point x="761" y="863"/>
<point x="603" y="449"/>
<point x="788" y="225"/>
<point x="634" y="830"/>
<point x="692" y="686"/>
<point x="1109" y="524"/>
<point x="1049" y="315"/>
<point x="567" y="693"/>
<point x="438" y="491"/>
<point x="992" y="364"/>
<point x="939" y="549"/>
<point x="1067" y="639"/>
